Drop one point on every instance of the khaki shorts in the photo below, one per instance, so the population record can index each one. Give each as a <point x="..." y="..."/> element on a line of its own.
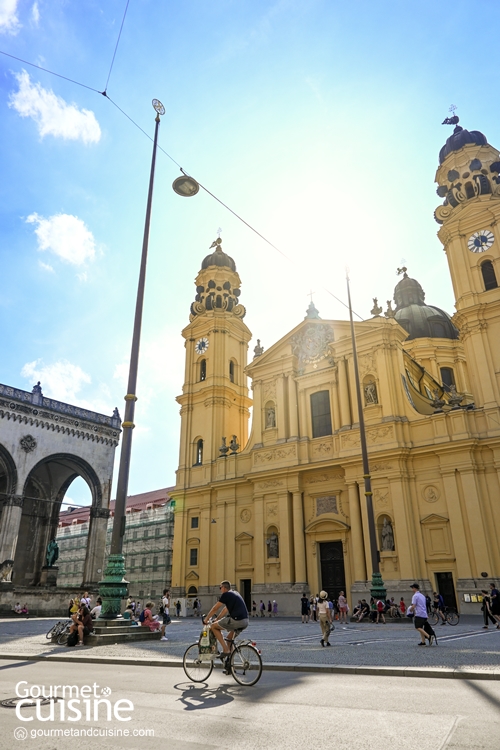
<point x="229" y="624"/>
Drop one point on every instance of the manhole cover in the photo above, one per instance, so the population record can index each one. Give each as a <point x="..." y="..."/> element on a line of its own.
<point x="12" y="702"/>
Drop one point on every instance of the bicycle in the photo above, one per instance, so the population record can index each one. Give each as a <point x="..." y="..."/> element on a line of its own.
<point x="245" y="663"/>
<point x="56" y="630"/>
<point x="62" y="638"/>
<point x="451" y="616"/>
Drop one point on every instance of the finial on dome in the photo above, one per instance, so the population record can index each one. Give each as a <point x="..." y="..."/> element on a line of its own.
<point x="403" y="271"/>
<point x="454" y="119"/>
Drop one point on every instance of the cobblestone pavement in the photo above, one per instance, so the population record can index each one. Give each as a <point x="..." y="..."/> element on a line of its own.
<point x="285" y="641"/>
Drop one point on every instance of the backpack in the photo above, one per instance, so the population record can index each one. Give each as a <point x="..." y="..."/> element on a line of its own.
<point x="161" y="610"/>
<point x="142" y="616"/>
<point x="72" y="639"/>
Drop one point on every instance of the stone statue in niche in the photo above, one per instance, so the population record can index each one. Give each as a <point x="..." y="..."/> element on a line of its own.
<point x="273" y="545"/>
<point x="371" y="396"/>
<point x="270" y="417"/>
<point x="387" y="536"/>
<point x="52" y="553"/>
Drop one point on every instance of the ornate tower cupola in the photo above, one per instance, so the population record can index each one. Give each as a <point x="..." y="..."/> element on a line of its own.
<point x="468" y="179"/>
<point x="214" y="401"/>
<point x="419" y="319"/>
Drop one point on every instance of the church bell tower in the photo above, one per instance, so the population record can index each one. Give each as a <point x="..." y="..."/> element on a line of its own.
<point x="469" y="181"/>
<point x="214" y="400"/>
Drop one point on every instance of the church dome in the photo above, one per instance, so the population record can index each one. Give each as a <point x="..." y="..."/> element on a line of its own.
<point x="460" y="138"/>
<point x="419" y="319"/>
<point x="218" y="257"/>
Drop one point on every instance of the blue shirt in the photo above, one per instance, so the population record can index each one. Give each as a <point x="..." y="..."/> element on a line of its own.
<point x="235" y="605"/>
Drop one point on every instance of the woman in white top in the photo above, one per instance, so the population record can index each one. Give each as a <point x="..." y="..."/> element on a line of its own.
<point x="325" y="617"/>
<point x="342" y="605"/>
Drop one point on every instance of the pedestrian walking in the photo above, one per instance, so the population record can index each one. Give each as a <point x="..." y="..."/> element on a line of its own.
<point x="178" y="607"/>
<point x="262" y="608"/>
<point x="254" y="609"/>
<point x="269" y="608"/>
<point x="304" y="608"/>
<point x="325" y="617"/>
<point x="495" y="603"/>
<point x="486" y="610"/>
<point x="275" y="608"/>
<point x="419" y="608"/>
<point x="164" y="611"/>
<point x="438" y="604"/>
<point x="342" y="605"/>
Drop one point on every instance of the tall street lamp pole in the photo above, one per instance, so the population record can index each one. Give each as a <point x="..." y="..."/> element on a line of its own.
<point x="113" y="588"/>
<point x="377" y="589"/>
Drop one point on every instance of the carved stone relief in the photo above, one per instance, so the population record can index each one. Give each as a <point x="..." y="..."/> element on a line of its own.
<point x="325" y="477"/>
<point x="270" y="483"/>
<point x="322" y="449"/>
<point x="381" y="467"/>
<point x="277" y="454"/>
<point x="310" y="345"/>
<point x="272" y="510"/>
<point x="431" y="493"/>
<point x="381" y="497"/>
<point x="367" y="363"/>
<point x="326" y="504"/>
<point x="245" y="515"/>
<point x="269" y="391"/>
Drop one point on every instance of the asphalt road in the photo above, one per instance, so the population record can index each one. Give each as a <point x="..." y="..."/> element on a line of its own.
<point x="284" y="710"/>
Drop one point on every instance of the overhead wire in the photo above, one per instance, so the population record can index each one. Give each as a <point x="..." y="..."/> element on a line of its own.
<point x="116" y="47"/>
<point x="212" y="195"/>
<point x="46" y="70"/>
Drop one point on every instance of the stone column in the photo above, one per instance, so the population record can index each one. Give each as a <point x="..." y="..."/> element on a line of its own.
<point x="345" y="410"/>
<point x="281" y="410"/>
<point x="285" y="546"/>
<point x="298" y="539"/>
<point x="458" y="524"/>
<point x="9" y="528"/>
<point x="257" y="413"/>
<point x="259" y="551"/>
<point x="303" y="421"/>
<point x="358" y="547"/>
<point x="293" y="407"/>
<point x="96" y="547"/>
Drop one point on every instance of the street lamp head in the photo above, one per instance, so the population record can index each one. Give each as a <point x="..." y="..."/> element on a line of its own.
<point x="185" y="186"/>
<point x="158" y="106"/>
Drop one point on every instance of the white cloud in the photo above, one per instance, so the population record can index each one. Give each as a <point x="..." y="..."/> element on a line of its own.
<point x="46" y="266"/>
<point x="66" y="236"/>
<point x="52" y="114"/>
<point x="60" y="380"/>
<point x="9" y="22"/>
<point x="35" y="13"/>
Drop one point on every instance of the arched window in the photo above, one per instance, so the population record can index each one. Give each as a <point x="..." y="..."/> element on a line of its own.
<point x="447" y="378"/>
<point x="192" y="591"/>
<point x="489" y="278"/>
<point x="203" y="369"/>
<point x="231" y="371"/>
<point x="320" y="414"/>
<point x="199" y="453"/>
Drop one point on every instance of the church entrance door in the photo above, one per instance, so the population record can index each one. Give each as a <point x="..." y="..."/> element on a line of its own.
<point x="332" y="568"/>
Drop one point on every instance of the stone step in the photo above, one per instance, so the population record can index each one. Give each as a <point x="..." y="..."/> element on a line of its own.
<point x="128" y="636"/>
<point x="100" y="630"/>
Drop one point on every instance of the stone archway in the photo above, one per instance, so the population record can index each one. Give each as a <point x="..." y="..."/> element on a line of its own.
<point x="44" y="445"/>
<point x="43" y="491"/>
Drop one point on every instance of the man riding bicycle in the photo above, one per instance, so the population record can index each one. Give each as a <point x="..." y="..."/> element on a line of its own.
<point x="232" y="615"/>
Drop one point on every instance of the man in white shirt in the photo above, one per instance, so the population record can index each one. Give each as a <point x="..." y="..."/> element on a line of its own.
<point x="165" y="602"/>
<point x="419" y="608"/>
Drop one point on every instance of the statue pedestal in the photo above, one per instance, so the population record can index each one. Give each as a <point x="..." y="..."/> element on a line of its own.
<point x="48" y="576"/>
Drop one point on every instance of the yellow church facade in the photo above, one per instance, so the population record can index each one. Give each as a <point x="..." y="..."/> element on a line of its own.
<point x="282" y="510"/>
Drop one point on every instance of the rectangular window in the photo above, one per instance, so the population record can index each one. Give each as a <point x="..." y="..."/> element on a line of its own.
<point x="157" y="531"/>
<point x="132" y="563"/>
<point x="193" y="557"/>
<point x="155" y="564"/>
<point x="143" y="564"/>
<point x="195" y="522"/>
<point x="320" y="414"/>
<point x="134" y="535"/>
<point x="145" y="533"/>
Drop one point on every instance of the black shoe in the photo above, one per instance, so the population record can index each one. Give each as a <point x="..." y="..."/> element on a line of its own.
<point x="322" y="642"/>
<point x="328" y="644"/>
<point x="420" y="644"/>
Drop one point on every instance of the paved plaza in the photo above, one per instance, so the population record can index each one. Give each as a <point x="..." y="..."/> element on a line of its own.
<point x="287" y="643"/>
<point x="284" y="711"/>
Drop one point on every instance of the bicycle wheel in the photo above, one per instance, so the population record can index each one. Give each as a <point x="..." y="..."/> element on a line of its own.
<point x="453" y="618"/>
<point x="196" y="670"/>
<point x="53" y="632"/>
<point x="63" y="637"/>
<point x="433" y="618"/>
<point x="246" y="665"/>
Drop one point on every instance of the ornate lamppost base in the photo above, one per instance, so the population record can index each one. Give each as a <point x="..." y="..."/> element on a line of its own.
<point x="378" y="590"/>
<point x="113" y="588"/>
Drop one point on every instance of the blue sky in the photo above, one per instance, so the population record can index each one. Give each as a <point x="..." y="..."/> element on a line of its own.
<point x="317" y="121"/>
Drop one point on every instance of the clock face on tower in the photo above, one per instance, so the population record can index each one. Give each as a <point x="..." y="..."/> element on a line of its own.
<point x="480" y="241"/>
<point x="201" y="345"/>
